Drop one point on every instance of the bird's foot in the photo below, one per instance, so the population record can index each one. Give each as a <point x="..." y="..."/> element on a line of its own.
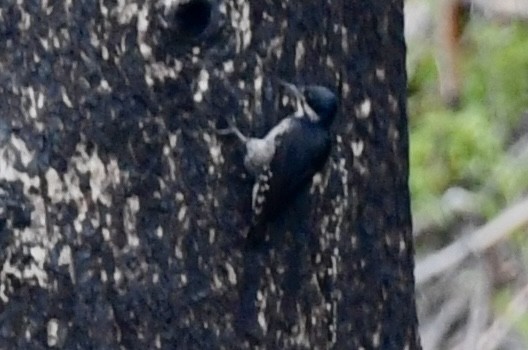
<point x="232" y="130"/>
<point x="225" y="131"/>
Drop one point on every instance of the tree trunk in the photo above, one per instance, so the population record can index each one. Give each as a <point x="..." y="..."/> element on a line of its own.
<point x="123" y="213"/>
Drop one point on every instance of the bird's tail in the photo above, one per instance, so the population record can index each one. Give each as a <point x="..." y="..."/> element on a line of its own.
<point x="254" y="251"/>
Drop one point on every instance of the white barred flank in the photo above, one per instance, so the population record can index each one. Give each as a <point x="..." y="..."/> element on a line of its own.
<point x="260" y="189"/>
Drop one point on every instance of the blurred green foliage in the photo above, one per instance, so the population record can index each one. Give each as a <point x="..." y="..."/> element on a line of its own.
<point x="482" y="146"/>
<point x="468" y="147"/>
<point x="503" y="299"/>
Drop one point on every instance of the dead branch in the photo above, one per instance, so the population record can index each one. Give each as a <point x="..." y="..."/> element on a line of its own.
<point x="476" y="242"/>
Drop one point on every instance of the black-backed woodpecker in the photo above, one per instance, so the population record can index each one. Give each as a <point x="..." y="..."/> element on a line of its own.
<point x="286" y="159"/>
<point x="283" y="162"/>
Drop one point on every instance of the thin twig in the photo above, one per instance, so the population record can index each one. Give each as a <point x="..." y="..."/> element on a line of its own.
<point x="517" y="308"/>
<point x="433" y="333"/>
<point x="479" y="300"/>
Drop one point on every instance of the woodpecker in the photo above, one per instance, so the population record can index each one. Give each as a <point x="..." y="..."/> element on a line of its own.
<point x="285" y="160"/>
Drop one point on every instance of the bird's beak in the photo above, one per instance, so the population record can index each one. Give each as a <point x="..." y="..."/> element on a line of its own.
<point x="292" y="89"/>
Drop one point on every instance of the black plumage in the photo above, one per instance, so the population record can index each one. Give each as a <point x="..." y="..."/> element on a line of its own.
<point x="300" y="153"/>
<point x="283" y="163"/>
<point x="301" y="146"/>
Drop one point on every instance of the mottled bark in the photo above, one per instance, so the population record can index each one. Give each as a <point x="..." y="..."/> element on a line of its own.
<point x="122" y="212"/>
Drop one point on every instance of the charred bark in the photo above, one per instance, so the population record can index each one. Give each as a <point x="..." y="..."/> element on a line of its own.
<point x="122" y="213"/>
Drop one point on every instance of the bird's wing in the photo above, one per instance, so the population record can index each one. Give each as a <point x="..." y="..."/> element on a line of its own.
<point x="300" y="153"/>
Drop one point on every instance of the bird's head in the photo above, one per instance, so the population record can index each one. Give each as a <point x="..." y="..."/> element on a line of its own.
<point x="318" y="103"/>
<point x="322" y="101"/>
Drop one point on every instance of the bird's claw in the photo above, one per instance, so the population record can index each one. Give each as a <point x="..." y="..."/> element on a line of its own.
<point x="224" y="132"/>
<point x="232" y="130"/>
